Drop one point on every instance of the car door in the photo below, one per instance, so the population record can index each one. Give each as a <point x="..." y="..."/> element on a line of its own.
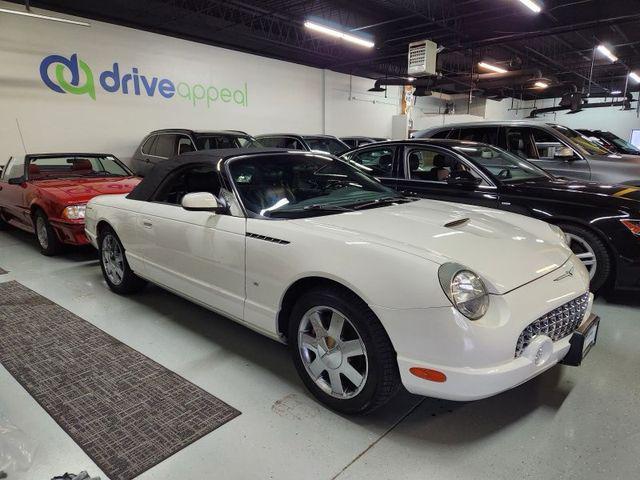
<point x="425" y="172"/>
<point x="379" y="162"/>
<point x="13" y="197"/>
<point x="200" y="255"/>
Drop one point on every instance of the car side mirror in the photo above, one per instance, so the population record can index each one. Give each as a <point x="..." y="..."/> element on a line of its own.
<point x="17" y="180"/>
<point x="564" y="153"/>
<point x="468" y="182"/>
<point x="202" y="202"/>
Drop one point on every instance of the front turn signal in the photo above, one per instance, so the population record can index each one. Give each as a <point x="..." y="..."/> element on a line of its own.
<point x="632" y="225"/>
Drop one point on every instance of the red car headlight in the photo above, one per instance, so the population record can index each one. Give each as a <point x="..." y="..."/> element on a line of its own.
<point x="632" y="225"/>
<point x="74" y="212"/>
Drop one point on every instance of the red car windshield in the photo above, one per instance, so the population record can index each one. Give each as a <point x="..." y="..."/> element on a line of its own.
<point x="76" y="166"/>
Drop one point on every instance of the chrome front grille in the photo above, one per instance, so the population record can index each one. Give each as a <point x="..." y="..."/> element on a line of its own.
<point x="556" y="324"/>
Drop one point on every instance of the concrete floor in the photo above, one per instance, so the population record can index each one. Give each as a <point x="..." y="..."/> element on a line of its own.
<point x="580" y="423"/>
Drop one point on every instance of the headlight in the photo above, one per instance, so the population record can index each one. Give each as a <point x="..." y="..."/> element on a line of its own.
<point x="465" y="290"/>
<point x="558" y="231"/>
<point x="74" y="212"/>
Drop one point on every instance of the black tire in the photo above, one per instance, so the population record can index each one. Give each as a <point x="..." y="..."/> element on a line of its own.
<point x="604" y="263"/>
<point x="129" y="281"/>
<point x="46" y="236"/>
<point x="3" y="224"/>
<point x="382" y="379"/>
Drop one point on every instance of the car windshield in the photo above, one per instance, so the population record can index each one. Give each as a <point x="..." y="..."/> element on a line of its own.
<point x="500" y="164"/>
<point x="292" y="185"/>
<point x="214" y="142"/>
<point x="326" y="144"/>
<point x="621" y="143"/>
<point x="42" y="168"/>
<point x="582" y="141"/>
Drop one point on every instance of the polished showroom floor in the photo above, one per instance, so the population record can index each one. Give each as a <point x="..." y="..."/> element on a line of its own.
<point x="580" y="423"/>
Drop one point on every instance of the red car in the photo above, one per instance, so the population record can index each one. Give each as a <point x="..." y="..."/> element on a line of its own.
<point x="46" y="194"/>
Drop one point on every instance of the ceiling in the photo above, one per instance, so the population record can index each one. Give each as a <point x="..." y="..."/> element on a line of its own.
<point x="559" y="41"/>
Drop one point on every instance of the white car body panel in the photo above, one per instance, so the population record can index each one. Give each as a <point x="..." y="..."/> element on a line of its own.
<point x="389" y="256"/>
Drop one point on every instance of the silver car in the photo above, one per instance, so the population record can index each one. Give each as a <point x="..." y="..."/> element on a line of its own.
<point x="557" y="149"/>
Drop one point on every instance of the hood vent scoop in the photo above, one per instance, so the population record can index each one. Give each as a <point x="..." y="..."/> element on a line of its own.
<point x="456" y="223"/>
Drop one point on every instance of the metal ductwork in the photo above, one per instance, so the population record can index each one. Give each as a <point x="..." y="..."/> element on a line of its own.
<point x="574" y="103"/>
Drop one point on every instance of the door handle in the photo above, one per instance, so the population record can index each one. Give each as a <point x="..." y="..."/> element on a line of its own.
<point x="147" y="224"/>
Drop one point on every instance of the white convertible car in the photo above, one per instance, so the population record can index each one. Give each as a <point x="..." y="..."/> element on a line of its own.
<point x="371" y="290"/>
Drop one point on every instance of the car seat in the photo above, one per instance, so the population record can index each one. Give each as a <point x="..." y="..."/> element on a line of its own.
<point x="82" y="165"/>
<point x="516" y="144"/>
<point x="440" y="172"/>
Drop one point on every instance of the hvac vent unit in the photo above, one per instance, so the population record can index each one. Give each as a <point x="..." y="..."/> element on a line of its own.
<point x="422" y="58"/>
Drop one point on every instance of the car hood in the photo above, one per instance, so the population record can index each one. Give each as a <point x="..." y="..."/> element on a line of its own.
<point x="506" y="249"/>
<point x="81" y="190"/>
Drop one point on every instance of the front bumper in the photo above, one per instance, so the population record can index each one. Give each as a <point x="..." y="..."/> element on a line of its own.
<point x="70" y="233"/>
<point x="479" y="358"/>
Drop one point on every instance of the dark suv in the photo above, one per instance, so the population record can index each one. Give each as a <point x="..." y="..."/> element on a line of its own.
<point x="162" y="144"/>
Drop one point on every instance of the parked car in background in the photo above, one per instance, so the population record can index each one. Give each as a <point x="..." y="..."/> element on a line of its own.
<point x="559" y="150"/>
<point x="163" y="144"/>
<point x="308" y="143"/>
<point x="355" y="142"/>
<point x="610" y="141"/>
<point x="602" y="222"/>
<point x="46" y="193"/>
<point x="370" y="289"/>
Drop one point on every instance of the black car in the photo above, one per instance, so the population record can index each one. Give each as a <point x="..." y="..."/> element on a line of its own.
<point x="601" y="222"/>
<point x="358" y="141"/>
<point x="162" y="144"/>
<point x="610" y="141"/>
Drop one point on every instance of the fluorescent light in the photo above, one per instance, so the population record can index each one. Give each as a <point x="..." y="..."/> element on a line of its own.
<point x="44" y="17"/>
<point x="532" y="5"/>
<point x="338" y="34"/>
<point x="541" y="85"/>
<point x="493" y="68"/>
<point x="607" y="53"/>
<point x="616" y="92"/>
<point x="635" y="77"/>
<point x="411" y="79"/>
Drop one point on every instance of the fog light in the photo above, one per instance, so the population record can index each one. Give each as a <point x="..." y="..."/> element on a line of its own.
<point x="539" y="350"/>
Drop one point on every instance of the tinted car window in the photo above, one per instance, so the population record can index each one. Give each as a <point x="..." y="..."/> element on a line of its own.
<point x="289" y="143"/>
<point x="442" y="134"/>
<point x="164" y="146"/>
<point x="326" y="144"/>
<point x="189" y="180"/>
<point x="482" y="134"/>
<point x="147" y="146"/>
<point x="435" y="166"/>
<point x="505" y="166"/>
<point x="519" y="142"/>
<point x="375" y="161"/>
<point x="351" y="143"/>
<point x="185" y="145"/>
<point x="548" y="146"/>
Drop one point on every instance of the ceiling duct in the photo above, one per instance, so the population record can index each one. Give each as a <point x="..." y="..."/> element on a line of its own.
<point x="574" y="103"/>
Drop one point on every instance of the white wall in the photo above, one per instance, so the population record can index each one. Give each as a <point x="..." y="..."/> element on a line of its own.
<point x="280" y="96"/>
<point x="425" y="111"/>
<point x="608" y="118"/>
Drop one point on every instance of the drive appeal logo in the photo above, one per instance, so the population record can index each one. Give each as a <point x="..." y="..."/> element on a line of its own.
<point x="79" y="80"/>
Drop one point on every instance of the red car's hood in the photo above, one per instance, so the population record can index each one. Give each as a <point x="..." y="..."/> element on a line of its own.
<point x="81" y="190"/>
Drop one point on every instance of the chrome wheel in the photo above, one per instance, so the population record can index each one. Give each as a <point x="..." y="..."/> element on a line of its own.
<point x="333" y="352"/>
<point x="41" y="232"/>
<point x="584" y="252"/>
<point x="112" y="259"/>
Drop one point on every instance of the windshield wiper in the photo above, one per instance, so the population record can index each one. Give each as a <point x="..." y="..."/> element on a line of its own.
<point x="383" y="201"/>
<point x="327" y="208"/>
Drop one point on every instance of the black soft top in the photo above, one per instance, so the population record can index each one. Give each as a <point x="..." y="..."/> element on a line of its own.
<point x="150" y="183"/>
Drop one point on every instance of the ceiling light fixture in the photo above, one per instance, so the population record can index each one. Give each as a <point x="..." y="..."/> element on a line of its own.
<point x="541" y="84"/>
<point x="607" y="53"/>
<point x="616" y="92"/>
<point x="338" y="34"/>
<point x="635" y="77"/>
<point x="533" y="6"/>
<point x="44" y="17"/>
<point x="493" y="68"/>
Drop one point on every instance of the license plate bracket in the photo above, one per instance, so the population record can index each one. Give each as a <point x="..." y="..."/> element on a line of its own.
<point x="582" y="340"/>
